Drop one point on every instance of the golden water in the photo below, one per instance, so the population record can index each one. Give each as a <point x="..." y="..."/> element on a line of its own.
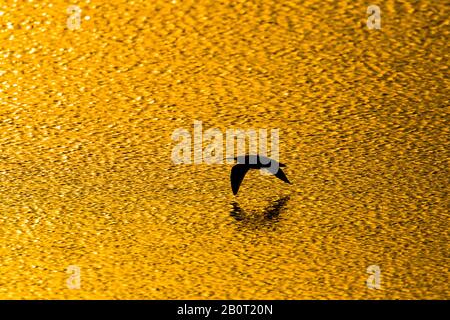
<point x="86" y="176"/>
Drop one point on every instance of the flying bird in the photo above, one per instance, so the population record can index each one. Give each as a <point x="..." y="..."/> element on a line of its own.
<point x="244" y="163"/>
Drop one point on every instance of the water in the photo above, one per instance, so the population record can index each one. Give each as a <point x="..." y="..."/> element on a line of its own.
<point x="86" y="177"/>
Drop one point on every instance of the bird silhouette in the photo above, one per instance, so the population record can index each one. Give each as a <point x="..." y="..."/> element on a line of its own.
<point x="247" y="162"/>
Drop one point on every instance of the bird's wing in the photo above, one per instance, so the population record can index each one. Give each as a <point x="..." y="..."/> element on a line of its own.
<point x="280" y="175"/>
<point x="237" y="175"/>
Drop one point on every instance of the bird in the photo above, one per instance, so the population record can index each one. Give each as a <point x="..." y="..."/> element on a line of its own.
<point x="244" y="163"/>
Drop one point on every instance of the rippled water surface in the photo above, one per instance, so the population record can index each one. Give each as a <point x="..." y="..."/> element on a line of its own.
<point x="86" y="176"/>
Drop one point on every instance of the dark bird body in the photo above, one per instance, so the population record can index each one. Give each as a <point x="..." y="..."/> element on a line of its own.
<point x="247" y="162"/>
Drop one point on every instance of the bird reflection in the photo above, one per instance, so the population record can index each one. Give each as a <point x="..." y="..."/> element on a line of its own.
<point x="270" y="213"/>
